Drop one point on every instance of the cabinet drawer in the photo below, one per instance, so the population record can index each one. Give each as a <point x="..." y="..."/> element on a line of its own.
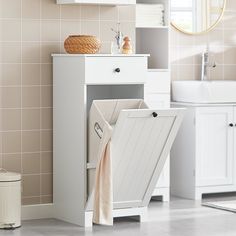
<point x="158" y="82"/>
<point x="116" y="70"/>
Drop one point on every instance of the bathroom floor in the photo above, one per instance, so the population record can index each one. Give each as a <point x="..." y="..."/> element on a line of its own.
<point x="178" y="218"/>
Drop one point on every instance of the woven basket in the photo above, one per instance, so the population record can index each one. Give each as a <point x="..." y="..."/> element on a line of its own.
<point x="82" y="44"/>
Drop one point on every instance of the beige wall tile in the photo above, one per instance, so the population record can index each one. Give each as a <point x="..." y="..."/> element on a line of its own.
<point x="46" y="162"/>
<point x="11" y="119"/>
<point x="107" y="35"/>
<point x="11" y="74"/>
<point x="90" y="28"/>
<point x="186" y="72"/>
<point x="69" y="27"/>
<point x="46" y="184"/>
<point x="11" y="142"/>
<point x="46" y="74"/>
<point x="229" y="72"/>
<point x="50" y="30"/>
<point x="31" y="96"/>
<point x="30" y="52"/>
<point x="30" y="141"/>
<point x="109" y="13"/>
<point x="128" y="29"/>
<point x="31" y="163"/>
<point x="30" y="200"/>
<point x="31" y="9"/>
<point x="216" y="37"/>
<point x="10" y="9"/>
<point x="31" y="74"/>
<point x="12" y="162"/>
<point x="31" y="30"/>
<point x="106" y="47"/>
<point x="47" y="49"/>
<point x="230" y="55"/>
<point x="229" y="37"/>
<point x="46" y="140"/>
<point x="50" y="10"/>
<point x="31" y="185"/>
<point x="11" y="97"/>
<point x="46" y="118"/>
<point x="11" y="30"/>
<point x="10" y="52"/>
<point x="126" y="13"/>
<point x="70" y="12"/>
<point x="216" y="73"/>
<point x="89" y="12"/>
<point x="185" y="55"/>
<point x="46" y="96"/>
<point x="30" y="119"/>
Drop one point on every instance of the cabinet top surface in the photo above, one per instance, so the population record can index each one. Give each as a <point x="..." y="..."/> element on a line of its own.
<point x="185" y="104"/>
<point x="100" y="55"/>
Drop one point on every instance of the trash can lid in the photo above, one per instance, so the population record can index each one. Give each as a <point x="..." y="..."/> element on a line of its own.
<point x="6" y="176"/>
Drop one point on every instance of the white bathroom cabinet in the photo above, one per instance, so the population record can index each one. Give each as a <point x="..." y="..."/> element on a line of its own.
<point x="77" y="81"/>
<point x="100" y="2"/>
<point x="154" y="40"/>
<point x="157" y="96"/>
<point x="203" y="155"/>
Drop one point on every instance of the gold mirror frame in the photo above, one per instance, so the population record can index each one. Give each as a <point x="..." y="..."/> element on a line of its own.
<point x="205" y="31"/>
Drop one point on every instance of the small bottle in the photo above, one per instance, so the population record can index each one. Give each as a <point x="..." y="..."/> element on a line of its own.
<point x="127" y="47"/>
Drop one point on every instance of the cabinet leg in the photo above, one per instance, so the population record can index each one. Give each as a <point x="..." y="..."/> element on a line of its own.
<point x="162" y="194"/>
<point x="144" y="215"/>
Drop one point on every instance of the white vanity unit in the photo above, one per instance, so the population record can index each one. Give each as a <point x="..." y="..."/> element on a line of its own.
<point x="203" y="155"/>
<point x="78" y="80"/>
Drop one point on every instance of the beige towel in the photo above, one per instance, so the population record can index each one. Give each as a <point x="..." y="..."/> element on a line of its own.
<point x="103" y="193"/>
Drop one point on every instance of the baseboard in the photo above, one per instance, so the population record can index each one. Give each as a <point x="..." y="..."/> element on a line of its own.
<point x="33" y="212"/>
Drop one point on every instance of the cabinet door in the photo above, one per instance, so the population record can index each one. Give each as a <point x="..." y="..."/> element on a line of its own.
<point x="158" y="101"/>
<point x="214" y="146"/>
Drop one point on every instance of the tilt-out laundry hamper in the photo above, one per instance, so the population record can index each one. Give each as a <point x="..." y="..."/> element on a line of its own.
<point x="80" y="81"/>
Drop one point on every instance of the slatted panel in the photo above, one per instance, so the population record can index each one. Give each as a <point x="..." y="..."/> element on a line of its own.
<point x="137" y="143"/>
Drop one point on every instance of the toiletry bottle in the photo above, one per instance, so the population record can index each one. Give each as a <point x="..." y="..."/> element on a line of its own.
<point x="127" y="47"/>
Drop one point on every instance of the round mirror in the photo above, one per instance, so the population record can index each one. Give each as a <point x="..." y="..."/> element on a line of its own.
<point x="196" y="16"/>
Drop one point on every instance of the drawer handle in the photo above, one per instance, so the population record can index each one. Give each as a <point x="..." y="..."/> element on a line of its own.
<point x="117" y="70"/>
<point x="154" y="114"/>
<point x="231" y="125"/>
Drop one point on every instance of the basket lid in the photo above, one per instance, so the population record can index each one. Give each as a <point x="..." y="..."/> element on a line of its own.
<point x="6" y="176"/>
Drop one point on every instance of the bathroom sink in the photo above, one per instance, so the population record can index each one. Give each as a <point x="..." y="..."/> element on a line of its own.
<point x="191" y="91"/>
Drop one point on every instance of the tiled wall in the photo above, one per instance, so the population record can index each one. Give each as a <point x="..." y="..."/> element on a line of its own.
<point x="30" y="30"/>
<point x="186" y="50"/>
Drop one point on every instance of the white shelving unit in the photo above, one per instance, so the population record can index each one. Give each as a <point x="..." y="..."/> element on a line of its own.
<point x="154" y="40"/>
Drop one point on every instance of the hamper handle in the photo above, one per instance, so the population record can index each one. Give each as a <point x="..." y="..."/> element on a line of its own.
<point x="98" y="130"/>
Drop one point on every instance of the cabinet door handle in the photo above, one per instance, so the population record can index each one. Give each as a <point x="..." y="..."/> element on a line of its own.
<point x="117" y="70"/>
<point x="231" y="125"/>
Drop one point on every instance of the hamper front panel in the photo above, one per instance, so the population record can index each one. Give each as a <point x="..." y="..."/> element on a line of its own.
<point x="136" y="150"/>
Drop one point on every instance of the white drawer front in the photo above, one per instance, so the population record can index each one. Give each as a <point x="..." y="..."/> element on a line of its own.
<point x="116" y="70"/>
<point x="158" y="82"/>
